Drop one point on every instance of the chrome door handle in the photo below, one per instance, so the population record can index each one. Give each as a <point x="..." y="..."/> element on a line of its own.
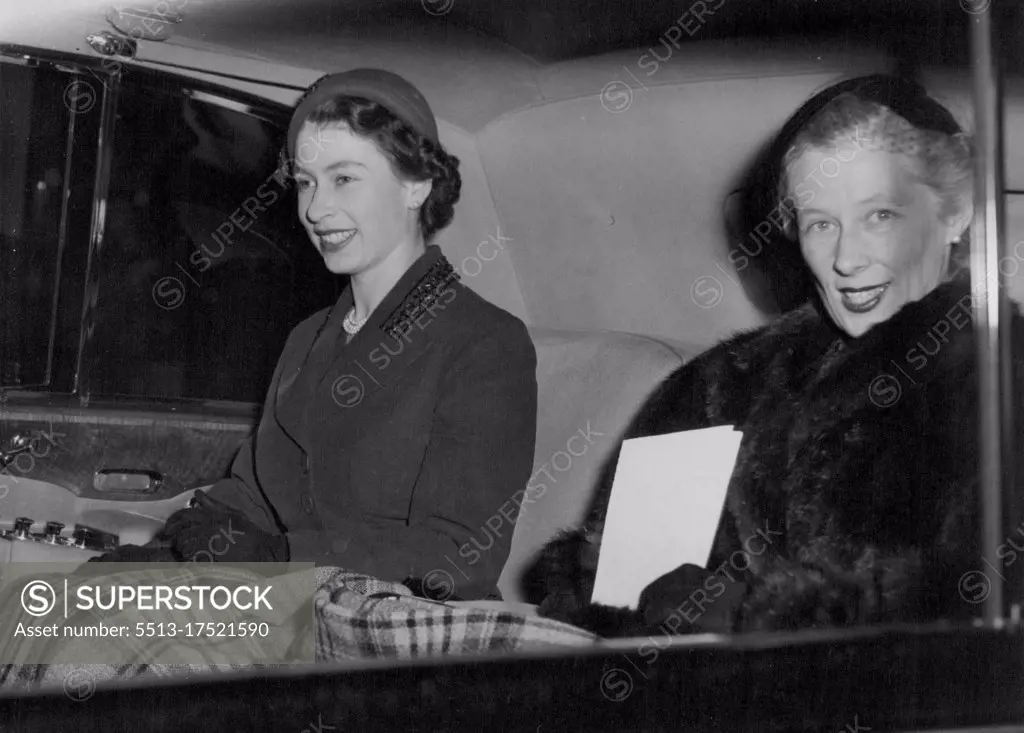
<point x="134" y="480"/>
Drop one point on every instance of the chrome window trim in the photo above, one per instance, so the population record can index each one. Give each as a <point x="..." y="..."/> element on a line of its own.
<point x="101" y="186"/>
<point x="62" y="237"/>
<point x="991" y="310"/>
<point x="227" y="103"/>
<point x="267" y="109"/>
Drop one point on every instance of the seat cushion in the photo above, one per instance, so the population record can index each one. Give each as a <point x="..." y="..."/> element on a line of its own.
<point x="591" y="384"/>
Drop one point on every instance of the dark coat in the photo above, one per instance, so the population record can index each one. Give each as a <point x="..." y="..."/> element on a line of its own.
<point x="388" y="454"/>
<point x="855" y="497"/>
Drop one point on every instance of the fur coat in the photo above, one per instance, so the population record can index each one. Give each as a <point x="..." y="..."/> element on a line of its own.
<point x="855" y="496"/>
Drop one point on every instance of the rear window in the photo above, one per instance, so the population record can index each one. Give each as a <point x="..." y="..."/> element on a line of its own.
<point x="204" y="268"/>
<point x="35" y="134"/>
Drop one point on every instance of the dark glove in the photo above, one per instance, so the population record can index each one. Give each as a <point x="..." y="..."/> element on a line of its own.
<point x="215" y="532"/>
<point x="691" y="599"/>
<point x="203" y="508"/>
<point x="135" y="553"/>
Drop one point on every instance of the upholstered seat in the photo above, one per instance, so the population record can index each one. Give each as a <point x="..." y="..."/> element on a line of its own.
<point x="591" y="383"/>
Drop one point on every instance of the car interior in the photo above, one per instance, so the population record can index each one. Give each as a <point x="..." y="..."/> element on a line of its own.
<point x="604" y="149"/>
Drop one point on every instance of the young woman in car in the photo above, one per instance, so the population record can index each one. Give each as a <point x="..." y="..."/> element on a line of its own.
<point x="400" y="419"/>
<point x="855" y="495"/>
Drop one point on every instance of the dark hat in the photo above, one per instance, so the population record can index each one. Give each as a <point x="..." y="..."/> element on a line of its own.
<point x="400" y="97"/>
<point x="903" y="96"/>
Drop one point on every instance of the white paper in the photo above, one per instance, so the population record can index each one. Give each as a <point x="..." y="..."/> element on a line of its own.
<point x="666" y="502"/>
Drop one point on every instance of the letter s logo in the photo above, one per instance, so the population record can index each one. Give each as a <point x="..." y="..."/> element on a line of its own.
<point x="474" y="554"/>
<point x="38" y="598"/>
<point x="616" y="96"/>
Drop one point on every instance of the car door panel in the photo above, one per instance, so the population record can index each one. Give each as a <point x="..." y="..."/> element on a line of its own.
<point x="72" y="444"/>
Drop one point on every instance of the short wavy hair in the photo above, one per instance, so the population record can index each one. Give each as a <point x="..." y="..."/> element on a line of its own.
<point x="413" y="157"/>
<point x="943" y="162"/>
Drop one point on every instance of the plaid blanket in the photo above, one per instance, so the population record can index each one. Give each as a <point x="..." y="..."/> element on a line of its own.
<point x="356" y="617"/>
<point x="359" y="617"/>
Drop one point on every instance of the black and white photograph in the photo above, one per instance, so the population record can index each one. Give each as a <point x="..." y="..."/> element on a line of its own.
<point x="512" y="365"/>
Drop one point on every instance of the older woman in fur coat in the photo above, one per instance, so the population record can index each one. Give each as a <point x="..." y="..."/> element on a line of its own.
<point x="855" y="498"/>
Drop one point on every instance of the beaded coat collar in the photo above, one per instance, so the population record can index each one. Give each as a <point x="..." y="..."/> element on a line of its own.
<point x="421" y="297"/>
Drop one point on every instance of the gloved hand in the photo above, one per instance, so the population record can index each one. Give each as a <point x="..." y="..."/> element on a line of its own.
<point x="692" y="599"/>
<point x="215" y="532"/>
<point x="203" y="508"/>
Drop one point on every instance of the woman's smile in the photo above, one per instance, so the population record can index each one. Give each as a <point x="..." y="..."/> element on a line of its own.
<point x="332" y="241"/>
<point x="863" y="300"/>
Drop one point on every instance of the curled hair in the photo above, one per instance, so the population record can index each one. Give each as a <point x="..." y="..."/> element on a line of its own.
<point x="943" y="162"/>
<point x="413" y="157"/>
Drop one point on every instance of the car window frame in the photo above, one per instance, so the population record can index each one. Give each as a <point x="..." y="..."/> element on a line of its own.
<point x="76" y="388"/>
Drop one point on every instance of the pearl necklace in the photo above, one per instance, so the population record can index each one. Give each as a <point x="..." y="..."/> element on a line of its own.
<point x="351" y="325"/>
